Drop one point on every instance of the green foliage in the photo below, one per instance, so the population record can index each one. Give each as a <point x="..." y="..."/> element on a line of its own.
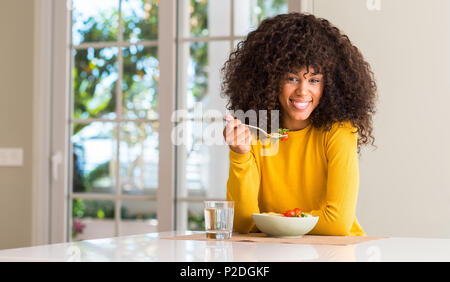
<point x="140" y="80"/>
<point x="93" y="66"/>
<point x="95" y="71"/>
<point x="97" y="174"/>
<point x="142" y="28"/>
<point x="198" y="18"/>
<point x="199" y="55"/>
<point x="78" y="208"/>
<point x="199" y="50"/>
<point x="105" y="29"/>
<point x="82" y="208"/>
<point x="104" y="209"/>
<point x="270" y="8"/>
<point x="196" y="222"/>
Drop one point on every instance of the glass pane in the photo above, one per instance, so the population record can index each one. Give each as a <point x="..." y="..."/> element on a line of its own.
<point x="196" y="18"/>
<point x="140" y="82"/>
<point x="197" y="162"/>
<point x="203" y="74"/>
<point x="94" y="83"/>
<point x="92" y="219"/>
<point x="140" y="20"/>
<point x="197" y="74"/>
<point x="203" y="161"/>
<point x="236" y="43"/>
<point x="190" y="216"/>
<point x="138" y="217"/>
<point x="94" y="21"/>
<point x="94" y="154"/>
<point x="249" y="13"/>
<point x="139" y="157"/>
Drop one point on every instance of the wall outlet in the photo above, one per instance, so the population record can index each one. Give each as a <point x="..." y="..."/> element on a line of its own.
<point x="11" y="156"/>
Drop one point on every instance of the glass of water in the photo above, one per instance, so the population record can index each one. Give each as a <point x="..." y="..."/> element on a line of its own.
<point x="219" y="219"/>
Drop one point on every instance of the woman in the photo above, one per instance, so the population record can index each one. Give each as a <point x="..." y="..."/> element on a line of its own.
<point x="325" y="92"/>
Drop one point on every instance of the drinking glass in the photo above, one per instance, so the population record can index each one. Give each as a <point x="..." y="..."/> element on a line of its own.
<point x="219" y="219"/>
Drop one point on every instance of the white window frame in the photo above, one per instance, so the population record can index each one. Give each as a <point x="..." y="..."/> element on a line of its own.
<point x="48" y="222"/>
<point x="40" y="220"/>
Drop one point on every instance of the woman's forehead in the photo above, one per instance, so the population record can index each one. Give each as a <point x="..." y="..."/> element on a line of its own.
<point x="306" y="70"/>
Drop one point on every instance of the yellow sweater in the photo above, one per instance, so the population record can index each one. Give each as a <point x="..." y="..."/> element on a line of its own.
<point x="314" y="170"/>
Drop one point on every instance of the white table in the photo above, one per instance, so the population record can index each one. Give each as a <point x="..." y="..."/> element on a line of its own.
<point x="150" y="247"/>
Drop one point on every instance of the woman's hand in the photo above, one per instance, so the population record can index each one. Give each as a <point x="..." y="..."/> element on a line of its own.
<point x="237" y="135"/>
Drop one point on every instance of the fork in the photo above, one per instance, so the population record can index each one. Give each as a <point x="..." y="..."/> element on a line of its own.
<point x="273" y="135"/>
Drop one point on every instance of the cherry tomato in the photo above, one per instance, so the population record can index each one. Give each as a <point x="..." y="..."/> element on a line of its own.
<point x="298" y="212"/>
<point x="289" y="213"/>
<point x="285" y="137"/>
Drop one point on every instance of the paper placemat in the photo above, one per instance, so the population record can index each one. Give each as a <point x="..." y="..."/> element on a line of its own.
<point x="263" y="238"/>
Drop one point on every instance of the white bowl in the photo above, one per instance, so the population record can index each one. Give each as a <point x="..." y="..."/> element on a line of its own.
<point x="284" y="227"/>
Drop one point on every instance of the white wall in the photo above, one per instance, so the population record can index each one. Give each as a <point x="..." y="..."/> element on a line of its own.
<point x="16" y="89"/>
<point x="405" y="183"/>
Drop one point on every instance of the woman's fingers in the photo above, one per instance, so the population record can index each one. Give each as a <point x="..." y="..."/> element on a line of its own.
<point x="231" y="125"/>
<point x="248" y="138"/>
<point x="242" y="134"/>
<point x="237" y="136"/>
<point x="229" y="117"/>
<point x="244" y="139"/>
<point x="230" y="130"/>
<point x="236" y="133"/>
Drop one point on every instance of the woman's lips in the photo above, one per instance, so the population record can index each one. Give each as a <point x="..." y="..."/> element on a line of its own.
<point x="300" y="105"/>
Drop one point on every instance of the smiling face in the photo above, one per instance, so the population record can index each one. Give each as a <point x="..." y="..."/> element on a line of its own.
<point x="300" y="94"/>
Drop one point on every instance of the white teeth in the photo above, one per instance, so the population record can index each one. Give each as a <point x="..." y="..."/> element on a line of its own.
<point x="300" y="105"/>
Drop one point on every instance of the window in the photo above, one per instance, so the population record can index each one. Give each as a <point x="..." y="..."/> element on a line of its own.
<point x="121" y="171"/>
<point x="207" y="31"/>
<point x="114" y="117"/>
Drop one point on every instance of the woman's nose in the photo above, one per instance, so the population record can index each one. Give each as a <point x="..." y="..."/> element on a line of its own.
<point x="301" y="89"/>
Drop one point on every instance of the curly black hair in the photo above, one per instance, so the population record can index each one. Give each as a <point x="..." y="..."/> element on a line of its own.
<point x="253" y="73"/>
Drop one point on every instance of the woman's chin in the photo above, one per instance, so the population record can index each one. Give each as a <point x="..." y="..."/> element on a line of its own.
<point x="300" y="117"/>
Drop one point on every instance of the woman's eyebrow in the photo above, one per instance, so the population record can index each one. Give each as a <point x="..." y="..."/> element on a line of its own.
<point x="311" y="74"/>
<point x="304" y="75"/>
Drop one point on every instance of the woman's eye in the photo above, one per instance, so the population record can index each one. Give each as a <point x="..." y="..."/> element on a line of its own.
<point x="292" y="79"/>
<point x="313" y="80"/>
